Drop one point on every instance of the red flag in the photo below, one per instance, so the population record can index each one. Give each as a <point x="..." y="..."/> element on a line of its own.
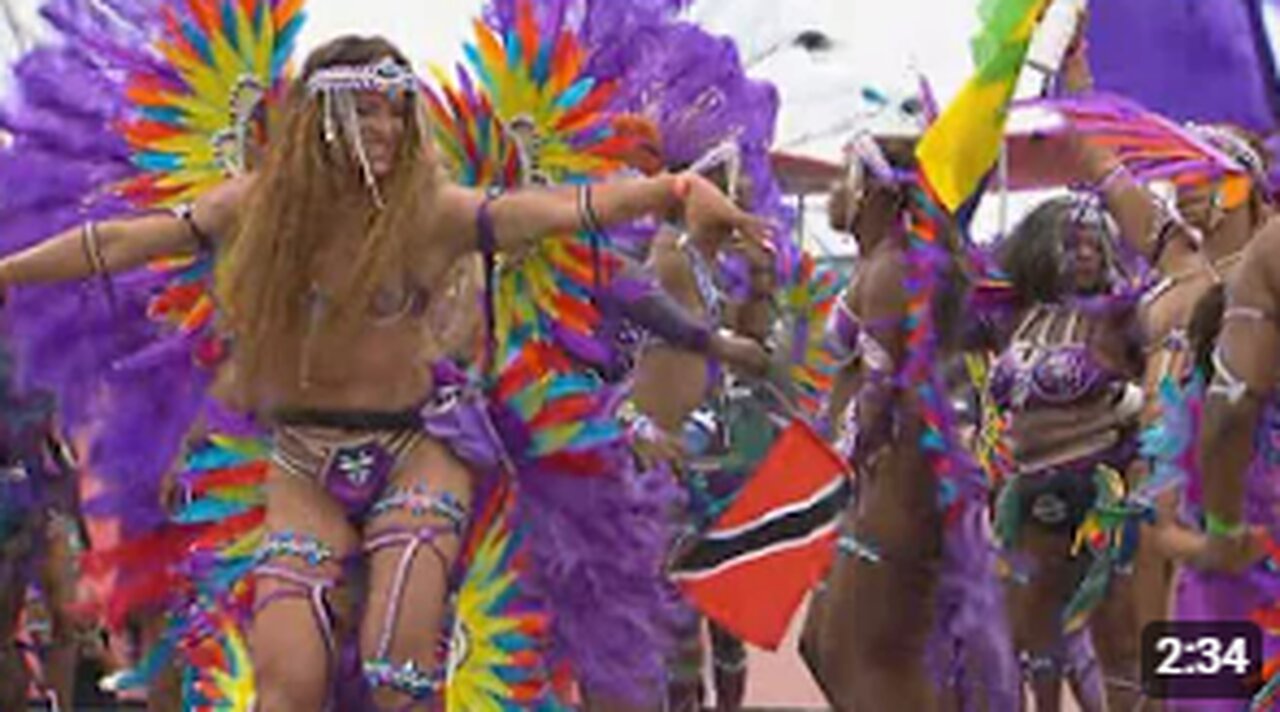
<point x="750" y="572"/>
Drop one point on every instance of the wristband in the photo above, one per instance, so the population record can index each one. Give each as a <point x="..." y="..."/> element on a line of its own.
<point x="1216" y="526"/>
<point x="1117" y="171"/>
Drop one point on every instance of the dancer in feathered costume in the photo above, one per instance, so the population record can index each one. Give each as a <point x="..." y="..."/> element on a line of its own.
<point x="916" y="535"/>
<point x="1189" y="244"/>
<point x="39" y="531"/>
<point x="618" y="287"/>
<point x="695" y="110"/>
<point x="356" y="130"/>
<point x="1167" y="315"/>
<point x="1067" y="379"/>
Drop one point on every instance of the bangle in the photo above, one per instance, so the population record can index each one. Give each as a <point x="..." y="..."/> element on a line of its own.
<point x="1117" y="171"/>
<point x="587" y="217"/>
<point x="91" y="243"/>
<point x="1216" y="526"/>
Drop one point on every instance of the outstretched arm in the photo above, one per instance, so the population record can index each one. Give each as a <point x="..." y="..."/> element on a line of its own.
<point x="527" y="215"/>
<point x="120" y="245"/>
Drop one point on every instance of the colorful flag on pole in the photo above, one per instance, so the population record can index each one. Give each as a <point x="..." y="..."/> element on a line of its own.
<point x="964" y="143"/>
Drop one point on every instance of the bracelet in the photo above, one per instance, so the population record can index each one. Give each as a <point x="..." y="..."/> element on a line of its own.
<point x="91" y="243"/>
<point x="88" y="245"/>
<point x="587" y="218"/>
<point x="1216" y="526"/>
<point x="186" y="212"/>
<point x="1117" y="171"/>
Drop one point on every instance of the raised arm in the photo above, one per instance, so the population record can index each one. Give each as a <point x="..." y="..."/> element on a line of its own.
<point x="120" y="245"/>
<point x="524" y="216"/>
<point x="1143" y="222"/>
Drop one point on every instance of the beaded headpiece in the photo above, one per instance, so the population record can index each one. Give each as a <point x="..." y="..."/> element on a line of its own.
<point x="1234" y="192"/>
<point x="336" y="87"/>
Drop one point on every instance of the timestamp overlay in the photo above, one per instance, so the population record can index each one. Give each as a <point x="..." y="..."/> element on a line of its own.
<point x="1201" y="659"/>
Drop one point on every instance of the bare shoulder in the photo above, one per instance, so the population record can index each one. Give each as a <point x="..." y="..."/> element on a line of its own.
<point x="218" y="210"/>
<point x="1258" y="275"/>
<point x="449" y="218"/>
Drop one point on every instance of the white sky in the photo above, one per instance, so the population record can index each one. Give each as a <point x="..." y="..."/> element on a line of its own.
<point x="876" y="43"/>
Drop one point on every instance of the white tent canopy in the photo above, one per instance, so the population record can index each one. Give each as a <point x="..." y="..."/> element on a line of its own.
<point x="869" y="44"/>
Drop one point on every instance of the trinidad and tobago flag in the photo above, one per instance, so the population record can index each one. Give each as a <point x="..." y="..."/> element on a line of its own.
<point x="751" y="570"/>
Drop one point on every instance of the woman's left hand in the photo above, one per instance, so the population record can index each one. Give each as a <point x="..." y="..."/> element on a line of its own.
<point x="706" y="206"/>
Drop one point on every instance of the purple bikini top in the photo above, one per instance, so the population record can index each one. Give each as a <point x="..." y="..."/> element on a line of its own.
<point x="848" y="339"/>
<point x="1033" y="372"/>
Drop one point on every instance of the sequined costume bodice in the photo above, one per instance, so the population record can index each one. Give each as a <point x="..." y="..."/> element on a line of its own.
<point x="1037" y="371"/>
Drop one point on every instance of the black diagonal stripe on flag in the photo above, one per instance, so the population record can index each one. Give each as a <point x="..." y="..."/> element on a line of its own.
<point x="774" y="529"/>
<point x="751" y="571"/>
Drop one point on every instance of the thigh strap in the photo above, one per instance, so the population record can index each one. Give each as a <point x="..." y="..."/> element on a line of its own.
<point x="407" y="679"/>
<point x="315" y="588"/>
<point x="412" y="540"/>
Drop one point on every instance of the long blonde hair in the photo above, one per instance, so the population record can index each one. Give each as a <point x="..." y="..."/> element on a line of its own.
<point x="307" y="197"/>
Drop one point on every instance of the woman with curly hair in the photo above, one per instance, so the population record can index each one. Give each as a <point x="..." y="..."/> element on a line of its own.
<point x="1066" y="381"/>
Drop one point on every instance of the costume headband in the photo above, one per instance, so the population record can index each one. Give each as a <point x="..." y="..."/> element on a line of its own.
<point x="336" y="87"/>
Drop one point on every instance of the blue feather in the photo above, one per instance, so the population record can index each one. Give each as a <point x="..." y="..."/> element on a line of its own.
<point x="211" y="510"/>
<point x="477" y="64"/>
<point x="542" y="66"/>
<point x="284" y="42"/>
<point x="229" y="25"/>
<point x="514" y="48"/>
<point x="171" y="115"/>
<point x="575" y="93"/>
<point x="197" y="39"/>
<point x="158" y="162"/>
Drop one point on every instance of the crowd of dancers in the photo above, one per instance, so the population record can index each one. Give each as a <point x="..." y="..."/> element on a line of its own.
<point x="472" y="393"/>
